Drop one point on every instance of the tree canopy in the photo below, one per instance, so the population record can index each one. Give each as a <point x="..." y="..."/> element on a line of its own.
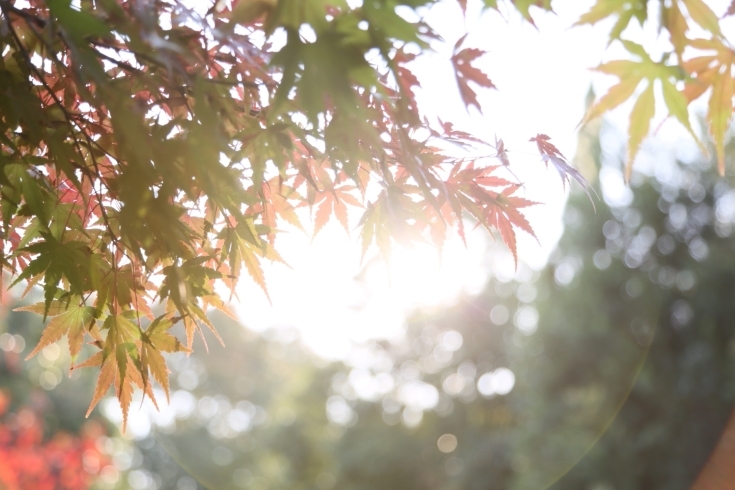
<point x="150" y="150"/>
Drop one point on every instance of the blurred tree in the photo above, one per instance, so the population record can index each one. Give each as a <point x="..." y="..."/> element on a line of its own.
<point x="622" y="348"/>
<point x="284" y="421"/>
<point x="638" y="310"/>
<point x="245" y="416"/>
<point x="150" y="149"/>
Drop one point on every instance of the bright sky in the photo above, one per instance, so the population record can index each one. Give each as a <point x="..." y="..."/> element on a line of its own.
<point x="542" y="78"/>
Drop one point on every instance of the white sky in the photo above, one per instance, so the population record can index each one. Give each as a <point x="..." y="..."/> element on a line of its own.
<point x="543" y="77"/>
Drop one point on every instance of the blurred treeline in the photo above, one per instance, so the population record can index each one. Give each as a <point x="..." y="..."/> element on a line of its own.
<point x="613" y="368"/>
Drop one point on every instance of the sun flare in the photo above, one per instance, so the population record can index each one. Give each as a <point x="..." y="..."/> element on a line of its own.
<point x="333" y="300"/>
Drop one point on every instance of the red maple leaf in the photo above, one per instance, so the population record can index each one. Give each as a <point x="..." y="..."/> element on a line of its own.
<point x="550" y="153"/>
<point x="333" y="202"/>
<point x="406" y="79"/>
<point x="465" y="73"/>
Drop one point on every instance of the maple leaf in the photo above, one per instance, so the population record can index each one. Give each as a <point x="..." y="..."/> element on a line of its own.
<point x="703" y="15"/>
<point x="155" y="340"/>
<point x="108" y="368"/>
<point x="631" y="74"/>
<point x="215" y="301"/>
<point x="676" y="23"/>
<point x="124" y="382"/>
<point x="524" y="6"/>
<point x="276" y="198"/>
<point x="625" y="10"/>
<point x="57" y="260"/>
<point x="201" y="316"/>
<point x="613" y="98"/>
<point x="242" y="244"/>
<point x="476" y="190"/>
<point x="116" y="368"/>
<point x="127" y="379"/>
<point x="406" y="81"/>
<point x="501" y="153"/>
<point x="550" y="153"/>
<point x="465" y="73"/>
<point x="437" y="222"/>
<point x="461" y="138"/>
<point x="121" y="288"/>
<point x="69" y="319"/>
<point x="119" y="364"/>
<point x="185" y="285"/>
<point x="500" y="211"/>
<point x="375" y="224"/>
<point x="640" y="122"/>
<point x="715" y="71"/>
<point x="333" y="201"/>
<point x="719" y="113"/>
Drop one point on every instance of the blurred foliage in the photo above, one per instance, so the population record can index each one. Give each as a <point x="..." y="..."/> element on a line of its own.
<point x="650" y="282"/>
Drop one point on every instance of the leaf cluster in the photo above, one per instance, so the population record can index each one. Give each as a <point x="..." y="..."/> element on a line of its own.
<point x="700" y="60"/>
<point x="149" y="150"/>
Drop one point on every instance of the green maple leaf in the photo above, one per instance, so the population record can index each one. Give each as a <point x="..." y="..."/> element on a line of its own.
<point x="69" y="319"/>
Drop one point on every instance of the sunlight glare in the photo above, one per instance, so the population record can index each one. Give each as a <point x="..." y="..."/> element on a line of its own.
<point x="333" y="300"/>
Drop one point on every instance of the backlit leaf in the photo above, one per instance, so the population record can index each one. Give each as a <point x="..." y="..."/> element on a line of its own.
<point x="151" y="359"/>
<point x="105" y="379"/>
<point x="614" y="97"/>
<point x="71" y="320"/>
<point x="640" y="123"/>
<point x="551" y="154"/>
<point x="703" y="15"/>
<point x="677" y="26"/>
<point x="677" y="103"/>
<point x="719" y="114"/>
<point x="465" y="73"/>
